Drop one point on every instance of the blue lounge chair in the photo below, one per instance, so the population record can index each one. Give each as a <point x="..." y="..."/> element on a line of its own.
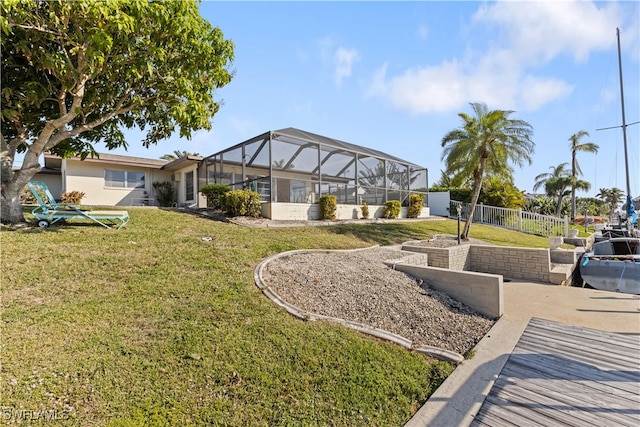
<point x="49" y="211"/>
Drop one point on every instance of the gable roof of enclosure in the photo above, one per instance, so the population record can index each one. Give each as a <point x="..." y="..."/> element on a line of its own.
<point x="325" y="141"/>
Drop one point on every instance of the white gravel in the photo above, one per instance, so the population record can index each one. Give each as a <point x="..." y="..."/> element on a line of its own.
<point x="358" y="286"/>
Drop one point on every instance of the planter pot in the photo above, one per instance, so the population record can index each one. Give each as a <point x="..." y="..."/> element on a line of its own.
<point x="573" y="232"/>
<point x="555" y="242"/>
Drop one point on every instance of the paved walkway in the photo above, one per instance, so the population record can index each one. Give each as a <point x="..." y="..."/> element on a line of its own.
<point x="460" y="397"/>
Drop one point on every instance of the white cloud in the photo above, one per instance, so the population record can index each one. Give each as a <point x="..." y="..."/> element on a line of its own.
<point x="339" y="60"/>
<point x="343" y="61"/>
<point x="422" y="90"/>
<point x="537" y="92"/>
<point x="539" y="31"/>
<point x="530" y="35"/>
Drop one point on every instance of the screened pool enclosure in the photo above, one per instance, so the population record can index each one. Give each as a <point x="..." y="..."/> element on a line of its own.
<point x="294" y="166"/>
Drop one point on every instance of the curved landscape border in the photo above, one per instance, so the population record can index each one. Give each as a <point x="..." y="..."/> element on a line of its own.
<point x="436" y="352"/>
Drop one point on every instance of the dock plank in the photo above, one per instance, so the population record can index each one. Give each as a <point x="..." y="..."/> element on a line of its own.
<point x="587" y="349"/>
<point x="614" y="391"/>
<point x="581" y="402"/>
<point x="565" y="375"/>
<point x="600" y="356"/>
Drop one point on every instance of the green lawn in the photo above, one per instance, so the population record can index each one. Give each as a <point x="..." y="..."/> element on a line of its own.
<point x="152" y="325"/>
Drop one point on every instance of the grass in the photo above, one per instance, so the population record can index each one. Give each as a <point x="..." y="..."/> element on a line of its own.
<point x="152" y="325"/>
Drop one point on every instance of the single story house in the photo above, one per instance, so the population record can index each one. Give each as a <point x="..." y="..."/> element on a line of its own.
<point x="290" y="169"/>
<point x="116" y="180"/>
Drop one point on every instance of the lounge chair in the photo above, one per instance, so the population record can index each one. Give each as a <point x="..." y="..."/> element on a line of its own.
<point x="50" y="212"/>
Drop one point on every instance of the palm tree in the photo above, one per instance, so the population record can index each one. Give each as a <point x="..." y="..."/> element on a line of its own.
<point x="575" y="145"/>
<point x="177" y="154"/>
<point x="612" y="197"/>
<point x="541" y="205"/>
<point x="486" y="143"/>
<point x="556" y="184"/>
<point x="449" y="181"/>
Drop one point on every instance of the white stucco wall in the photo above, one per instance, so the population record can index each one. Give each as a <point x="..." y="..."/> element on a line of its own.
<point x="88" y="177"/>
<point x="439" y="203"/>
<point x="52" y="181"/>
<point x="303" y="211"/>
<point x="180" y="183"/>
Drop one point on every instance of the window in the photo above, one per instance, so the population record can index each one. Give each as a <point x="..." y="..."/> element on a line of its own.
<point x="188" y="186"/>
<point x="123" y="179"/>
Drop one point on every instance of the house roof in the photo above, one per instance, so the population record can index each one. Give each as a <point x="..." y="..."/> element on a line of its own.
<point x="115" y="159"/>
<point x="181" y="162"/>
<point x="43" y="170"/>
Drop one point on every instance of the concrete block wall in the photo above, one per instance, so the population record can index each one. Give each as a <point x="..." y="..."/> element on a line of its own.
<point x="453" y="258"/>
<point x="459" y="258"/>
<point x="517" y="263"/>
<point x="438" y="257"/>
<point x="482" y="292"/>
<point x="563" y="256"/>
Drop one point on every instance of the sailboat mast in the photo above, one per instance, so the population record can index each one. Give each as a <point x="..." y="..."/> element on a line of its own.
<point x="624" y="123"/>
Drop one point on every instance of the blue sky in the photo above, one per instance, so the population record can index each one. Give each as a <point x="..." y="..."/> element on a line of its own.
<point x="394" y="75"/>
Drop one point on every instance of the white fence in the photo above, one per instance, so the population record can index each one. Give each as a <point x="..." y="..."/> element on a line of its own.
<point x="514" y="219"/>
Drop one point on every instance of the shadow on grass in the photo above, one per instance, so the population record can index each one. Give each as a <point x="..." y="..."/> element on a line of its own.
<point x="200" y="213"/>
<point x="382" y="234"/>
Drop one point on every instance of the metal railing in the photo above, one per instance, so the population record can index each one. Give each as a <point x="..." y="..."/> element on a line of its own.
<point x="513" y="219"/>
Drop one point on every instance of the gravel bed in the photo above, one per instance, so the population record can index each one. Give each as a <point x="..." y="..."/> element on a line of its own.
<point x="358" y="286"/>
<point x="446" y="241"/>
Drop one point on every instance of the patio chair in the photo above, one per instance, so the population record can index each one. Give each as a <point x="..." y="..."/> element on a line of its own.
<point x="50" y="212"/>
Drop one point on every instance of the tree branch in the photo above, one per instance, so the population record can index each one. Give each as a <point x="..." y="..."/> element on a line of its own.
<point x="62" y="106"/>
<point x="51" y="126"/>
<point x="36" y="28"/>
<point x="61" y="136"/>
<point x="20" y="138"/>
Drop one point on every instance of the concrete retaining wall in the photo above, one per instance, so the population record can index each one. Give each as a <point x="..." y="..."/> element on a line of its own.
<point x="516" y="263"/>
<point x="480" y="291"/>
<point x="453" y="258"/>
<point x="305" y="211"/>
<point x="563" y="256"/>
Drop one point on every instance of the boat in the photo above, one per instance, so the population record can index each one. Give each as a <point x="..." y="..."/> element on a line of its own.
<point x="613" y="265"/>
<point x="613" y="262"/>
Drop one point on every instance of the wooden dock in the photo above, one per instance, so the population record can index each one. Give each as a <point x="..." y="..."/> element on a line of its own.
<point x="565" y="375"/>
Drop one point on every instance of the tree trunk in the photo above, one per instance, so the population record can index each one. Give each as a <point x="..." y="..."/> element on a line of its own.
<point x="474" y="201"/>
<point x="559" y="206"/>
<point x="10" y="207"/>
<point x="12" y="184"/>
<point x="573" y="185"/>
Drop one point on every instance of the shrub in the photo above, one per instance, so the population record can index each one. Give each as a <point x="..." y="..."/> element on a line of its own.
<point x="415" y="205"/>
<point x="469" y="354"/>
<point x="166" y="193"/>
<point x="72" y="197"/>
<point x="365" y="210"/>
<point x="391" y="209"/>
<point x="328" y="207"/>
<point x="460" y="194"/>
<point x="213" y="193"/>
<point x="241" y="203"/>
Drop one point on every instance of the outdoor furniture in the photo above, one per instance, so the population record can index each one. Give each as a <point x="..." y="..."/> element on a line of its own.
<point x="50" y="212"/>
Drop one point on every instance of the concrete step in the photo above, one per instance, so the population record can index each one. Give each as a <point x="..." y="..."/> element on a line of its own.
<point x="560" y="273"/>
